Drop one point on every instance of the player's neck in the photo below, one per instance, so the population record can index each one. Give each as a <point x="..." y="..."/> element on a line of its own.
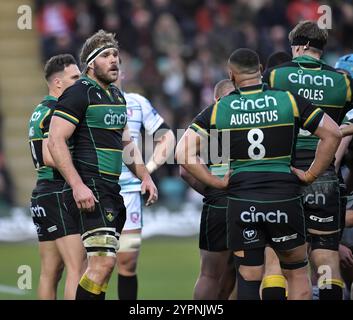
<point x="54" y="93"/>
<point x="311" y="54"/>
<point x="101" y="84"/>
<point x="249" y="82"/>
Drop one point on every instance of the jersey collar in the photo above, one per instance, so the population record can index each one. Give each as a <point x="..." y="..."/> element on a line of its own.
<point x="96" y="84"/>
<point x="308" y="60"/>
<point x="251" y="89"/>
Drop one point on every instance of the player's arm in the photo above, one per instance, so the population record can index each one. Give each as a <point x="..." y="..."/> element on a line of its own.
<point x="59" y="133"/>
<point x="163" y="136"/>
<point x="342" y="148"/>
<point x="321" y="125"/>
<point x="133" y="160"/>
<point x="47" y="158"/>
<point x="346" y="130"/>
<point x="191" y="181"/>
<point x="70" y="110"/>
<point x="164" y="147"/>
<point x="349" y="219"/>
<point x="186" y="155"/>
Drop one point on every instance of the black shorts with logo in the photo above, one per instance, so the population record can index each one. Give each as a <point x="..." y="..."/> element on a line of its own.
<point x="49" y="215"/>
<point x="109" y="212"/>
<point x="254" y="223"/>
<point x="322" y="203"/>
<point x="213" y="226"/>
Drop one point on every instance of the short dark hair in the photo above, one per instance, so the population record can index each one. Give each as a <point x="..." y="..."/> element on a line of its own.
<point x="99" y="39"/>
<point x="57" y="64"/>
<point x="221" y="88"/>
<point x="309" y="29"/>
<point x="277" y="58"/>
<point x="246" y="59"/>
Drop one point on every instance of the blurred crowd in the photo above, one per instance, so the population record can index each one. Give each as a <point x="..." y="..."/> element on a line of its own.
<point x="173" y="52"/>
<point x="6" y="184"/>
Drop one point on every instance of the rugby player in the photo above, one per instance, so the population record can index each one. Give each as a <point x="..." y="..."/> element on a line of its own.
<point x="92" y="114"/>
<point x="59" y="238"/>
<point x="264" y="203"/>
<point x="310" y="77"/>
<point x="216" y="278"/>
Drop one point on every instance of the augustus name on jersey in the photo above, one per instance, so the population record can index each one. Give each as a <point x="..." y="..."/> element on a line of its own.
<point x="140" y="113"/>
<point x="100" y="117"/>
<point x="263" y="124"/>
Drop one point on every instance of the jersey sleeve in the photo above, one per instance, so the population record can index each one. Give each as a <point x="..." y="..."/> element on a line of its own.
<point x="72" y="104"/>
<point x="44" y="126"/>
<point x="202" y="122"/>
<point x="309" y="115"/>
<point x="151" y="120"/>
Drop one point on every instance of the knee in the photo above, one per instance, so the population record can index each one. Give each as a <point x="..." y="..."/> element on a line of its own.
<point x="127" y="263"/>
<point x="101" y="268"/>
<point x="53" y="271"/>
<point x="251" y="265"/>
<point x="251" y="273"/>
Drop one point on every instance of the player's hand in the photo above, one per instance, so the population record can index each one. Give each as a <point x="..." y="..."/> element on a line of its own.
<point x="84" y="198"/>
<point x="223" y="183"/>
<point x="346" y="256"/>
<point x="148" y="187"/>
<point x="304" y="176"/>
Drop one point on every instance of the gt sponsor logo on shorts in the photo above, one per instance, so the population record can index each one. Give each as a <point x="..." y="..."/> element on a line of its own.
<point x="285" y="238"/>
<point x="270" y="217"/>
<point x="322" y="220"/>
<point x="52" y="228"/>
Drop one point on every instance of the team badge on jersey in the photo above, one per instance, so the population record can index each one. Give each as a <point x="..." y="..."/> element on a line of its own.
<point x="109" y="214"/>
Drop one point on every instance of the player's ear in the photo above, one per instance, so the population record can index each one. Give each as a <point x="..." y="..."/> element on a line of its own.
<point x="231" y="76"/>
<point x="57" y="82"/>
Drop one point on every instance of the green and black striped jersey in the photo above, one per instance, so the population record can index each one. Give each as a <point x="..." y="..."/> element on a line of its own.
<point x="100" y="117"/>
<point x="38" y="131"/>
<point x="210" y="143"/>
<point x="316" y="81"/>
<point x="262" y="124"/>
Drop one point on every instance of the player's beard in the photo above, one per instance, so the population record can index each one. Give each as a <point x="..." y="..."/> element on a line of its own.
<point x="104" y="77"/>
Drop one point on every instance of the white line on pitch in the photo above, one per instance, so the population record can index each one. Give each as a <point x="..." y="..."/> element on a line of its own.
<point x="12" y="290"/>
